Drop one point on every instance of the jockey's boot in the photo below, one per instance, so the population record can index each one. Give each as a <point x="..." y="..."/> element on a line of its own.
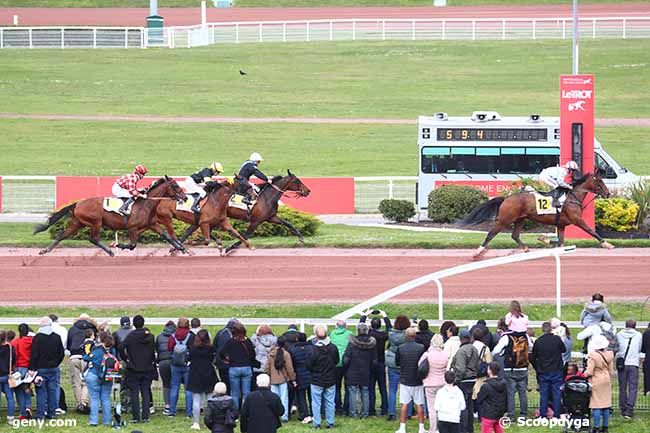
<point x="556" y="194"/>
<point x="125" y="206"/>
<point x="195" y="205"/>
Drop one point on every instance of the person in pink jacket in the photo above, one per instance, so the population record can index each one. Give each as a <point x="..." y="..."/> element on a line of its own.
<point x="436" y="378"/>
<point x="516" y="320"/>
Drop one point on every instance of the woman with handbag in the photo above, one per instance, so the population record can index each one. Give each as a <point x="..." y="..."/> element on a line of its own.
<point x="600" y="369"/>
<point x="7" y="365"/>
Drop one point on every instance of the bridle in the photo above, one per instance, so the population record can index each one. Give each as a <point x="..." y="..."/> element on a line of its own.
<point x="577" y="201"/>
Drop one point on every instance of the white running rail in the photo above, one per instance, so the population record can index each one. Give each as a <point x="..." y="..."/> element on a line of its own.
<point x="439" y="275"/>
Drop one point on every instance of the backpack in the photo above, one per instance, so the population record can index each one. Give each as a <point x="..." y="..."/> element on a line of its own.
<point x="181" y="352"/>
<point x="516" y="355"/>
<point x="109" y="369"/>
<point x="482" y="365"/>
<point x="613" y="342"/>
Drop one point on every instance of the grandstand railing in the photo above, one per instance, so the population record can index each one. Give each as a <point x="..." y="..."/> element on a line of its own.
<point x="324" y="30"/>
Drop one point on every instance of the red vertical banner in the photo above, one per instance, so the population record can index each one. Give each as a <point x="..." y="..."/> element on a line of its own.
<point x="577" y="133"/>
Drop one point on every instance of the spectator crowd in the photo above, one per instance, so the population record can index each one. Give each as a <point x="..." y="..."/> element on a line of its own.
<point x="445" y="381"/>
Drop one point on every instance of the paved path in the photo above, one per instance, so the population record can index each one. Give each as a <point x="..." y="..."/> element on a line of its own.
<point x="192" y="16"/>
<point x="641" y="122"/>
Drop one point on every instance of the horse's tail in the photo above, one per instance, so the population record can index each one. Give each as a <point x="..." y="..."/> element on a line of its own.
<point x="54" y="218"/>
<point x="482" y="213"/>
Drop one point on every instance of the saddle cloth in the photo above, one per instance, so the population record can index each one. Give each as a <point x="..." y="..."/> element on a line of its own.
<point x="187" y="204"/>
<point x="236" y="201"/>
<point x="544" y="204"/>
<point x="113" y="204"/>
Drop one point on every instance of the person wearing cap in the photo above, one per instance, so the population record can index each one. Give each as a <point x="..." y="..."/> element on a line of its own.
<point x="465" y="364"/>
<point x="46" y="357"/>
<point x="125" y="328"/>
<point x="77" y="365"/>
<point x="195" y="183"/>
<point x="262" y="409"/>
<point x="549" y="365"/>
<point x="248" y="169"/>
<point x="559" y="178"/>
<point x="600" y="369"/>
<point x="217" y="408"/>
<point x="358" y="359"/>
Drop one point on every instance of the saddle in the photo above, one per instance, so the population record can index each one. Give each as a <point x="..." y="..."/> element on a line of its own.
<point x="237" y="201"/>
<point x="113" y="204"/>
<point x="187" y="204"/>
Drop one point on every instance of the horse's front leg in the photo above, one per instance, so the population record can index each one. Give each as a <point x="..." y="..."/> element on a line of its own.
<point x="277" y="220"/>
<point x="584" y="226"/>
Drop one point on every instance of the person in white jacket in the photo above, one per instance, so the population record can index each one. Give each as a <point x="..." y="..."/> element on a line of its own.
<point x="59" y="330"/>
<point x="629" y="350"/>
<point x="450" y="402"/>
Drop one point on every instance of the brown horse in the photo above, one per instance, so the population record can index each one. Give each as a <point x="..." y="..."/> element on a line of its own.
<point x="212" y="214"/>
<point x="521" y="206"/>
<point x="90" y="213"/>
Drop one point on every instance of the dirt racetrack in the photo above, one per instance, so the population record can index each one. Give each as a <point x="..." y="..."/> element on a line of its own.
<point x="81" y="277"/>
<point x="192" y="16"/>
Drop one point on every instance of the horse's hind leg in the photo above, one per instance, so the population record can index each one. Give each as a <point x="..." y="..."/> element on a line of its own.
<point x="491" y="234"/>
<point x="249" y="232"/>
<point x="71" y="230"/>
<point x="516" y="235"/>
<point x="94" y="239"/>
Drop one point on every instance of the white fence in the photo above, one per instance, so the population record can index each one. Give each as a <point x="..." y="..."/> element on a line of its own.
<point x="324" y="30"/>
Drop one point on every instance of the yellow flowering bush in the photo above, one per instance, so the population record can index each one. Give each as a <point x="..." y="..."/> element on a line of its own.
<point x="618" y="214"/>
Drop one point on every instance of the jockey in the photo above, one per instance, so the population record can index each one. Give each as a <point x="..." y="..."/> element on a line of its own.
<point x="193" y="184"/>
<point x="127" y="187"/>
<point x="556" y="177"/>
<point x="248" y="169"/>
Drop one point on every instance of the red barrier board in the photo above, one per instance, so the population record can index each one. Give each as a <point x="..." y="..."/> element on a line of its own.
<point x="493" y="188"/>
<point x="328" y="195"/>
<point x="577" y="134"/>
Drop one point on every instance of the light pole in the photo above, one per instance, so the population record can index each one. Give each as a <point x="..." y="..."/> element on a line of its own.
<point x="576" y="37"/>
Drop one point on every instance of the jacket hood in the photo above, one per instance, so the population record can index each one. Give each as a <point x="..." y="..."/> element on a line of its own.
<point x="181" y="333"/>
<point x="340" y="331"/>
<point x="266" y="340"/>
<point x="142" y="335"/>
<point x="628" y="332"/>
<point x="83" y="324"/>
<point x="363" y="342"/>
<point x="169" y="330"/>
<point x="499" y="385"/>
<point x="595" y="306"/>
<point x="321" y="343"/>
<point x="221" y="401"/>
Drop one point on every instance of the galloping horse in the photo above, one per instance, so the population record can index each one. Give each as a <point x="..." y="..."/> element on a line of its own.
<point x="90" y="213"/>
<point x="213" y="214"/>
<point x="521" y="206"/>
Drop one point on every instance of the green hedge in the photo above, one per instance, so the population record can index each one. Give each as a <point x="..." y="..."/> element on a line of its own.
<point x="448" y="203"/>
<point x="618" y="214"/>
<point x="305" y="222"/>
<point x="397" y="210"/>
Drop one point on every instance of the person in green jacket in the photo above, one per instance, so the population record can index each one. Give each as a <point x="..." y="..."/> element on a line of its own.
<point x="341" y="337"/>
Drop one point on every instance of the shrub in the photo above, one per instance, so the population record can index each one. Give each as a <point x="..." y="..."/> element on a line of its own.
<point x="640" y="194"/>
<point x="450" y="202"/>
<point x="618" y="214"/>
<point x="306" y="223"/>
<point x="397" y="210"/>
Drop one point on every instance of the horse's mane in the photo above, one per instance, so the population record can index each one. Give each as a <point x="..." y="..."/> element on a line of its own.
<point x="582" y="179"/>
<point x="212" y="186"/>
<point x="274" y="179"/>
<point x="156" y="183"/>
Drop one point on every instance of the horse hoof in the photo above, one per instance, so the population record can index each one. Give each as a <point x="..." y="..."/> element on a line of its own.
<point x="189" y="253"/>
<point x="42" y="252"/>
<point x="111" y="254"/>
<point x="607" y="245"/>
<point x="479" y="252"/>
<point x="544" y="240"/>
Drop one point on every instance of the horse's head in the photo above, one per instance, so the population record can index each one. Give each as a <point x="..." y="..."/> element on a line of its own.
<point x="173" y="190"/>
<point x="292" y="183"/>
<point x="593" y="183"/>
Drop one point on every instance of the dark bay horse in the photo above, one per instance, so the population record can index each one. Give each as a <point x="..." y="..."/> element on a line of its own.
<point x="213" y="214"/>
<point x="519" y="207"/>
<point x="90" y="213"/>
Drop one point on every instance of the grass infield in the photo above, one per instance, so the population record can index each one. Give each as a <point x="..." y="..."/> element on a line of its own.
<point x="337" y="236"/>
